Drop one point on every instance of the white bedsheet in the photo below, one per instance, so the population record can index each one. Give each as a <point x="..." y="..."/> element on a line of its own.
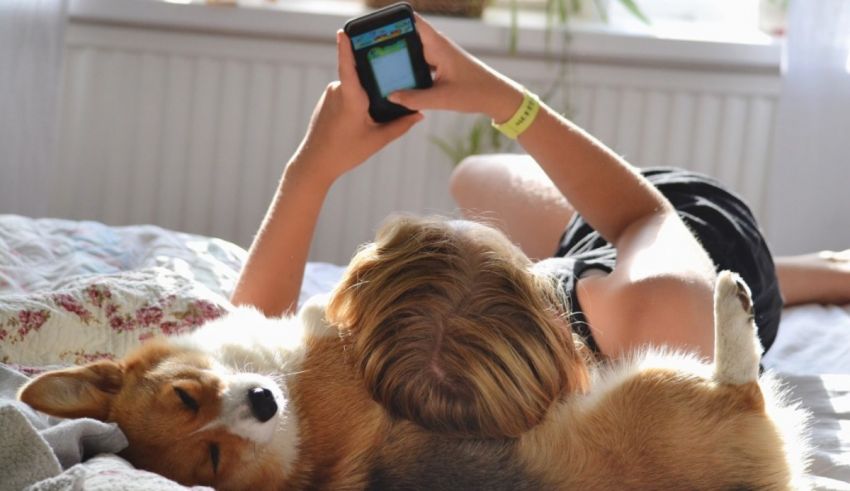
<point x="812" y="352"/>
<point x="812" y="339"/>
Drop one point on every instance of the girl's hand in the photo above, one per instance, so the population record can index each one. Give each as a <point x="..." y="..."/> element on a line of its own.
<point x="341" y="134"/>
<point x="461" y="82"/>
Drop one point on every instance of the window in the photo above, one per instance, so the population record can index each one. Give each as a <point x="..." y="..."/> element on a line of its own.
<point x="735" y="13"/>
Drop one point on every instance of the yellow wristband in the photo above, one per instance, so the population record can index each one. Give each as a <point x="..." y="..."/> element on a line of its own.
<point x="522" y="118"/>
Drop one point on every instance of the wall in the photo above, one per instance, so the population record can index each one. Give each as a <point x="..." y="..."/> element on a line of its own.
<point x="190" y="130"/>
<point x="31" y="38"/>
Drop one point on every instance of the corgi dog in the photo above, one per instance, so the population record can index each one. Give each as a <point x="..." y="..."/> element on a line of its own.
<point x="244" y="402"/>
<point x="247" y="402"/>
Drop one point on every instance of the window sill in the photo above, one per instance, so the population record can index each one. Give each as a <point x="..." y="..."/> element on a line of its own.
<point x="706" y="46"/>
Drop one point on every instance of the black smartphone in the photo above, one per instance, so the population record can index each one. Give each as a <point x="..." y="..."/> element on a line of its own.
<point x="389" y="57"/>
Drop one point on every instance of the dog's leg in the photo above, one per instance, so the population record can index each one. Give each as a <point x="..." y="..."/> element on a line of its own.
<point x="737" y="350"/>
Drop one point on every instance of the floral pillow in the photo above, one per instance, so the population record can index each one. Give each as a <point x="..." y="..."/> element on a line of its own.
<point x="103" y="316"/>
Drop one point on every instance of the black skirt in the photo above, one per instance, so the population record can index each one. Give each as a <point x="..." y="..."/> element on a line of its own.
<point x="722" y="223"/>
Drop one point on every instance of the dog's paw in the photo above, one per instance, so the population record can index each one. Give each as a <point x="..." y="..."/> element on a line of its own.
<point x="744" y="295"/>
<point x="733" y="301"/>
<point x="737" y="351"/>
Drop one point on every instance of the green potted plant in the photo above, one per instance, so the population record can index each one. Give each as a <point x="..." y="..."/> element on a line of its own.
<point x="462" y="8"/>
<point x="585" y="9"/>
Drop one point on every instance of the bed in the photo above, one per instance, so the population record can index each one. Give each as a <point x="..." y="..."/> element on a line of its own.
<point x="76" y="291"/>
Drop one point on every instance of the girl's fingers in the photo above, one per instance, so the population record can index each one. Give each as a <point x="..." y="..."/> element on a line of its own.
<point x="418" y="99"/>
<point x="346" y="66"/>
<point x="391" y="131"/>
<point x="426" y="30"/>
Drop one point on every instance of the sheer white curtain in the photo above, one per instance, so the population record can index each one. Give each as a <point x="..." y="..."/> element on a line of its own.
<point x="809" y="193"/>
<point x="31" y="33"/>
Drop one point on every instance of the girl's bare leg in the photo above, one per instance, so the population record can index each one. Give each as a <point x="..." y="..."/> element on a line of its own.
<point x="821" y="277"/>
<point x="512" y="193"/>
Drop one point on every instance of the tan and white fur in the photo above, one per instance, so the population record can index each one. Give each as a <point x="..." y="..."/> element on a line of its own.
<point x="666" y="420"/>
<point x="658" y="420"/>
<point x="184" y="404"/>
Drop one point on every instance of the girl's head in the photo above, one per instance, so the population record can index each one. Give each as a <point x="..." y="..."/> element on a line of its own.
<point x="451" y="330"/>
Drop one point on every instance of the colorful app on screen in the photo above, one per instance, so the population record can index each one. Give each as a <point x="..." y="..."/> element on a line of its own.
<point x="389" y="57"/>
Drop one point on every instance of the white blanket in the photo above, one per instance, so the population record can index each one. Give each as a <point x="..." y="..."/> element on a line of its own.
<point x="812" y="340"/>
<point x="813" y="354"/>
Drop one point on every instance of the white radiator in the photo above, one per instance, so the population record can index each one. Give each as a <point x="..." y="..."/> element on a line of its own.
<point x="191" y="131"/>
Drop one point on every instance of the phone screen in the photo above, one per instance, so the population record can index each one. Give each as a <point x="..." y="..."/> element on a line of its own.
<point x="389" y="56"/>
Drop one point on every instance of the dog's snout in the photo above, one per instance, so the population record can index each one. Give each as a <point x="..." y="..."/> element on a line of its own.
<point x="263" y="405"/>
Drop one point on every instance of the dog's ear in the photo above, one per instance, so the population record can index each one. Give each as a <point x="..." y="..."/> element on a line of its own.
<point x="80" y="392"/>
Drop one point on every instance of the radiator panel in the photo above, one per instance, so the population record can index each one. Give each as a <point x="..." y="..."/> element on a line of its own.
<point x="192" y="131"/>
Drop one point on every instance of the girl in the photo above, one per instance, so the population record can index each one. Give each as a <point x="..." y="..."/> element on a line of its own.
<point x="453" y="326"/>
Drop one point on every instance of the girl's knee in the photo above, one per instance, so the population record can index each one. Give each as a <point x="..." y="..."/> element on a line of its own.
<point x="480" y="177"/>
<point x="467" y="176"/>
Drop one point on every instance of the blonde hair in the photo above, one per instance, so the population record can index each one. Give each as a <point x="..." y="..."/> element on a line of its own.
<point x="451" y="330"/>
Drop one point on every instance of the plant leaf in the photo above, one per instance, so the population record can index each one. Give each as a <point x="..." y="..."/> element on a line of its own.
<point x="602" y="9"/>
<point x="513" y="37"/>
<point x="475" y="138"/>
<point x="632" y="7"/>
<point x="563" y="12"/>
<point x="452" y="151"/>
<point x="495" y="137"/>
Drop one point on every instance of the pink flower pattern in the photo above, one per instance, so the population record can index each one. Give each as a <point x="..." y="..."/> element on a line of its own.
<point x="27" y="370"/>
<point x="97" y="294"/>
<point x="70" y="304"/>
<point x="149" y="315"/>
<point x="145" y="336"/>
<point x="171" y="328"/>
<point x="199" y="312"/>
<point x="164" y="315"/>
<point x="31" y="320"/>
<point x="121" y="323"/>
<point x="111" y="309"/>
<point x="81" y="357"/>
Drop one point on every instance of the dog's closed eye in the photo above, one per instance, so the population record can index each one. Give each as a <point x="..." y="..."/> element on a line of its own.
<point x="215" y="456"/>
<point x="187" y="400"/>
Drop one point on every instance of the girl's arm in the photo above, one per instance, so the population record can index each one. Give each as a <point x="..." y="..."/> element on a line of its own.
<point x="607" y="191"/>
<point x="340" y="136"/>
<point x="663" y="275"/>
<point x="271" y="277"/>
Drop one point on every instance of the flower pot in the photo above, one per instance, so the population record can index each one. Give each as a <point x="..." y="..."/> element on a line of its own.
<point x="461" y="8"/>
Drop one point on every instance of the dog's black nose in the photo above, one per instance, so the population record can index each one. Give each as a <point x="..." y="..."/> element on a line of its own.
<point x="262" y="402"/>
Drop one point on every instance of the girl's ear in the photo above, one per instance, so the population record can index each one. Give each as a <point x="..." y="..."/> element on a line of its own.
<point x="81" y="392"/>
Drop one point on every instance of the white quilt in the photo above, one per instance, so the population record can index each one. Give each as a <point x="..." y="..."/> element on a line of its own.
<point x="119" y="285"/>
